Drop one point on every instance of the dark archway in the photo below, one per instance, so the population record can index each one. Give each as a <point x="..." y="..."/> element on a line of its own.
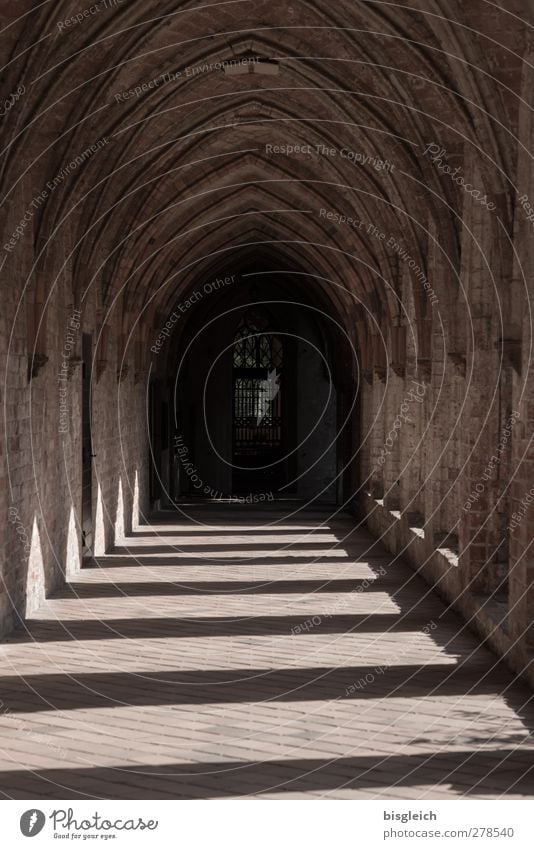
<point x="258" y="405"/>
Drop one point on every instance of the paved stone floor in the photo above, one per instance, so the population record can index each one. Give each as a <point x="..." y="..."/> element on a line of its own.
<point x="244" y="654"/>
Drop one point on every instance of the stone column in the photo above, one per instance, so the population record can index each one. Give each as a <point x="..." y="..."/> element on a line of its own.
<point x="480" y="539"/>
<point x="520" y="527"/>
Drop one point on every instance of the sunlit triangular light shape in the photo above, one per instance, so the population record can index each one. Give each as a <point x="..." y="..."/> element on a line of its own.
<point x="120" y="537"/>
<point x="74" y="562"/>
<point x="100" y="531"/>
<point x="35" y="579"/>
<point x="135" y="505"/>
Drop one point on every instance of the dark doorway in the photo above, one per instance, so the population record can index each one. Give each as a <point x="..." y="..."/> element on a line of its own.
<point x="255" y="405"/>
<point x="87" y="446"/>
<point x="258" y="428"/>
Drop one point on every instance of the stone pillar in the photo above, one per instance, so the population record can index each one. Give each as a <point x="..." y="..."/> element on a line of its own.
<point x="520" y="527"/>
<point x="442" y="399"/>
<point x="480" y="539"/>
<point x="410" y="407"/>
<point x="374" y="425"/>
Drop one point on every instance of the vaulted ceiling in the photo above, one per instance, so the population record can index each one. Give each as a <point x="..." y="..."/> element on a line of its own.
<point x="186" y="180"/>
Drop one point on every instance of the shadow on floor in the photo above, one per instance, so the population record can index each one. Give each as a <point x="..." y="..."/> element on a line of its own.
<point x="502" y="771"/>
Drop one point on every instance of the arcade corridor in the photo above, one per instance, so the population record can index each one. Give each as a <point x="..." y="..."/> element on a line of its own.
<point x="267" y="394"/>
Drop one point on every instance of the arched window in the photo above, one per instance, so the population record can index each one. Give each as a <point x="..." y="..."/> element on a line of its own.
<point x="258" y="372"/>
<point x="254" y="345"/>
